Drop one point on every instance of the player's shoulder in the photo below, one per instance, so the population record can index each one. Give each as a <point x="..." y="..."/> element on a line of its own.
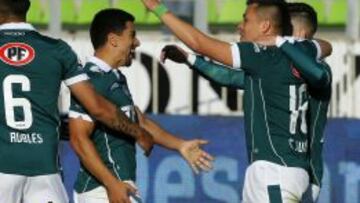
<point x="55" y="45"/>
<point x="254" y="50"/>
<point x="48" y="41"/>
<point x="302" y="43"/>
<point x="252" y="46"/>
<point x="96" y="74"/>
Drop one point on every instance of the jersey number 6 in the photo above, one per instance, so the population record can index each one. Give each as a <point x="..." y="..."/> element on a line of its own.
<point x="11" y="102"/>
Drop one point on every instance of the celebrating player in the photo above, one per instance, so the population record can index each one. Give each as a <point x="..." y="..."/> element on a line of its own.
<point x="316" y="73"/>
<point x="275" y="99"/>
<point x="32" y="68"/>
<point x="107" y="157"/>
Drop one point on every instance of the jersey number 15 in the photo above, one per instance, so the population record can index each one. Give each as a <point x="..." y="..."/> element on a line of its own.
<point x="298" y="107"/>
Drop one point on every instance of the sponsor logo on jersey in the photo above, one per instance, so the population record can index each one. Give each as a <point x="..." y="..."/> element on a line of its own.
<point x="295" y="72"/>
<point x="17" y="54"/>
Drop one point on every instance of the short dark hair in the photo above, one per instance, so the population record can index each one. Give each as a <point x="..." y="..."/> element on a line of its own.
<point x="281" y="16"/>
<point x="18" y="8"/>
<point x="306" y="13"/>
<point x="264" y="1"/>
<point x="108" y="21"/>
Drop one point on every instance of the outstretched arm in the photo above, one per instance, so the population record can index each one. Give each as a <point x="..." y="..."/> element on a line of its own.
<point x="192" y="37"/>
<point x="217" y="73"/>
<point x="107" y="113"/>
<point x="189" y="149"/>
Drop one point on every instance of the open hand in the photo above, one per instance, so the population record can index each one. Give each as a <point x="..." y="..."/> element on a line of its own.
<point x="197" y="158"/>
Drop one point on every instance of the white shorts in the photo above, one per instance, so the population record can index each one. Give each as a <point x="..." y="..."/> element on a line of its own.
<point x="268" y="182"/>
<point x="30" y="189"/>
<point x="312" y="194"/>
<point x="99" y="195"/>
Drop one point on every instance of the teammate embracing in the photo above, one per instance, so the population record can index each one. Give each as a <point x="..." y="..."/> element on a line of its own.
<point x="276" y="98"/>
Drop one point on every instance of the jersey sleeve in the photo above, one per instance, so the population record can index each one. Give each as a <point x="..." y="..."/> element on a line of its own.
<point x="77" y="111"/>
<point x="304" y="57"/>
<point x="245" y="55"/>
<point x="72" y="71"/>
<point x="217" y="73"/>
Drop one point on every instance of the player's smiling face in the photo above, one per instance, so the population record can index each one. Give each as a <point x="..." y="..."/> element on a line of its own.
<point x="128" y="42"/>
<point x="249" y="28"/>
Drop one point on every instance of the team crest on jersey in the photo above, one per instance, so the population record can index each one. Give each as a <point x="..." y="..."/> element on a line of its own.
<point x="295" y="72"/>
<point x="17" y="54"/>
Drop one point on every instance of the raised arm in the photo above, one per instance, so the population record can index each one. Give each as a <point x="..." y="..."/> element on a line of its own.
<point x="107" y="113"/>
<point x="309" y="65"/>
<point x="80" y="133"/>
<point x="189" y="149"/>
<point x="192" y="37"/>
<point x="215" y="72"/>
<point x="311" y="69"/>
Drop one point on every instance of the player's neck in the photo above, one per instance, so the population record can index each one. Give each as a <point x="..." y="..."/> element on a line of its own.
<point x="107" y="58"/>
<point x="12" y="19"/>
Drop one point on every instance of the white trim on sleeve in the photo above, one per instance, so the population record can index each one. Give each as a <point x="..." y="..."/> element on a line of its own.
<point x="83" y="116"/>
<point x="280" y="41"/>
<point x="76" y="79"/>
<point x="235" y="52"/>
<point x="318" y="48"/>
<point x="191" y="59"/>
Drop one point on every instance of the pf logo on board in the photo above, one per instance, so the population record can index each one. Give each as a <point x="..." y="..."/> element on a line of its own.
<point x="17" y="54"/>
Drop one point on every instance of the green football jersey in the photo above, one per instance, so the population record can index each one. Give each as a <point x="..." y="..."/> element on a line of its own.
<point x="318" y="76"/>
<point x="32" y="68"/>
<point x="275" y="105"/>
<point x="319" y="103"/>
<point x="117" y="151"/>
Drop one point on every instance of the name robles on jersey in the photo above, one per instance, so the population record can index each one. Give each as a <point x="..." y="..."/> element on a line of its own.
<point x="29" y="138"/>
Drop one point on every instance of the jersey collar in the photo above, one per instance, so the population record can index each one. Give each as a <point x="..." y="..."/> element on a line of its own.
<point x="100" y="63"/>
<point x="16" y="26"/>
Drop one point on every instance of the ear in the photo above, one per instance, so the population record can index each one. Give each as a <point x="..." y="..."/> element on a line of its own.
<point x="265" y="26"/>
<point x="112" y="39"/>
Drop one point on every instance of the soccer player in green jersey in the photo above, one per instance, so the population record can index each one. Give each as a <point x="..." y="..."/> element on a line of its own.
<point x="108" y="164"/>
<point x="32" y="69"/>
<point x="275" y="100"/>
<point x="304" y="20"/>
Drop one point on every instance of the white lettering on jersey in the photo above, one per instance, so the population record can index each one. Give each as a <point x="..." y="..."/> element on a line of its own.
<point x="29" y="138"/>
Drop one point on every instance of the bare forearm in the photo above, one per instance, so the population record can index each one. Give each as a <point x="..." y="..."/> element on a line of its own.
<point x="198" y="41"/>
<point x="120" y="122"/>
<point x="161" y="136"/>
<point x="103" y="110"/>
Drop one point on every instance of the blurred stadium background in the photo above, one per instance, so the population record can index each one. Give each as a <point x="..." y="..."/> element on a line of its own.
<point x="189" y="105"/>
